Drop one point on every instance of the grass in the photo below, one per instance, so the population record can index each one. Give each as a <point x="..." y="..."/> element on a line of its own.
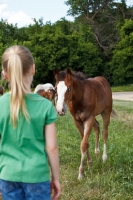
<point x="123" y="88"/>
<point x="103" y="181"/>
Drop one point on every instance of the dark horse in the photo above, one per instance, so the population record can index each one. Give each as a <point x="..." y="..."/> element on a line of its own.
<point x="1" y="90"/>
<point x="85" y="98"/>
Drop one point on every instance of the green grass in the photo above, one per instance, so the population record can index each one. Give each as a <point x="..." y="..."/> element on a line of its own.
<point x="124" y="88"/>
<point x="102" y="181"/>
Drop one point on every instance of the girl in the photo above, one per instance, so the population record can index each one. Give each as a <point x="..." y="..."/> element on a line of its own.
<point x="28" y="136"/>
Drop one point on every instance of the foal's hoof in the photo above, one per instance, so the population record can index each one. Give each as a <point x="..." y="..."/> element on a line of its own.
<point x="104" y="157"/>
<point x="97" y="151"/>
<point x="89" y="163"/>
<point x="80" y="176"/>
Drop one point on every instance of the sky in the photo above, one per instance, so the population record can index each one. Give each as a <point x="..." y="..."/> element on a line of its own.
<point x="22" y="12"/>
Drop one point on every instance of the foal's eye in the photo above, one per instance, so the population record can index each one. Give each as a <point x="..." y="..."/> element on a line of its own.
<point x="68" y="89"/>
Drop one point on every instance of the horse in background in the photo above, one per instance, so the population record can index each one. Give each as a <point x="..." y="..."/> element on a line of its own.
<point x="46" y="90"/>
<point x="85" y="98"/>
<point x="1" y="90"/>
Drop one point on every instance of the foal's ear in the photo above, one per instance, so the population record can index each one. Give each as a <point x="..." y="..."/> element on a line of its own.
<point x="69" y="73"/>
<point x="55" y="72"/>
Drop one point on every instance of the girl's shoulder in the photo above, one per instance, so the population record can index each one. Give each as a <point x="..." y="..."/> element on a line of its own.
<point x="36" y="98"/>
<point x="4" y="96"/>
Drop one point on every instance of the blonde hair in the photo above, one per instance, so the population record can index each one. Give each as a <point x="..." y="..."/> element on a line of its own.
<point x="16" y="62"/>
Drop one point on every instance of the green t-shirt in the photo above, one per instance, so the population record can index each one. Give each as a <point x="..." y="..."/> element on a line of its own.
<point x="23" y="156"/>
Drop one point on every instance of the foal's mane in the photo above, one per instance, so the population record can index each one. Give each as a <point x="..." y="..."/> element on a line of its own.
<point x="77" y="75"/>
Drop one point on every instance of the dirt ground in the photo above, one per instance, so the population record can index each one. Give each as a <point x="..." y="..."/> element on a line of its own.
<point x="123" y="96"/>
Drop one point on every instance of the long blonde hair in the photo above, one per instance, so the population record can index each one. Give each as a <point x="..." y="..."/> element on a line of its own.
<point x="16" y="62"/>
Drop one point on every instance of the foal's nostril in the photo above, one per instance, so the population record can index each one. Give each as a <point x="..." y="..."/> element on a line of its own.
<point x="61" y="113"/>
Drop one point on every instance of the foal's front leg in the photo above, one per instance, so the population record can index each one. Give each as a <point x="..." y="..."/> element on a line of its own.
<point x="80" y="127"/>
<point x="84" y="144"/>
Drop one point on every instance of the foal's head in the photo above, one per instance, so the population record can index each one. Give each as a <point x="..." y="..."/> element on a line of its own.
<point x="64" y="87"/>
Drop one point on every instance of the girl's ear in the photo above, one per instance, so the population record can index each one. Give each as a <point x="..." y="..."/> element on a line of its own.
<point x="33" y="69"/>
<point x="4" y="74"/>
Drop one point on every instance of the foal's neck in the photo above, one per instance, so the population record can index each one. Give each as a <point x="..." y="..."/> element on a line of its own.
<point x="78" y="91"/>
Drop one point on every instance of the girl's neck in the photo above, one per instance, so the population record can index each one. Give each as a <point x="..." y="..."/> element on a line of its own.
<point x="27" y="84"/>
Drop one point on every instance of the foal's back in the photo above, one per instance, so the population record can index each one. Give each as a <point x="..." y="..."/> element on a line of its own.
<point x="98" y="94"/>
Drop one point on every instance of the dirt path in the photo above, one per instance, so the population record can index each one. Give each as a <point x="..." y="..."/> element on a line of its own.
<point x="123" y="96"/>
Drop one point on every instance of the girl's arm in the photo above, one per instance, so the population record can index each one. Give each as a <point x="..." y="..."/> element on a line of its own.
<point x="52" y="151"/>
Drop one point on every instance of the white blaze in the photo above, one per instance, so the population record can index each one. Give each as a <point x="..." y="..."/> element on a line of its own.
<point x="61" y="90"/>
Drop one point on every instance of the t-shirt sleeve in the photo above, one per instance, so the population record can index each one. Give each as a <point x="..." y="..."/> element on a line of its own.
<point x="51" y="115"/>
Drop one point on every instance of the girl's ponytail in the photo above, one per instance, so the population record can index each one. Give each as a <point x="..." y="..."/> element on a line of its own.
<point x="17" y="61"/>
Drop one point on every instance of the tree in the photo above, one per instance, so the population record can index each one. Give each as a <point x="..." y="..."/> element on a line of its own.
<point x="122" y="61"/>
<point x="103" y="17"/>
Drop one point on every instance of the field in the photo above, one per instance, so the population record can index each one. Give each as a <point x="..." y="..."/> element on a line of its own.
<point x="102" y="181"/>
<point x="112" y="180"/>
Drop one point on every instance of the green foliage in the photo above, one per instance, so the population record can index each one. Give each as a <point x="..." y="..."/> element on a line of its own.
<point x="127" y="28"/>
<point x="122" y="61"/>
<point x="83" y="45"/>
<point x="57" y="48"/>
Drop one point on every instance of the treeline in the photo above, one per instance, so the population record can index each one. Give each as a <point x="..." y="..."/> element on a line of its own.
<point x="98" y="42"/>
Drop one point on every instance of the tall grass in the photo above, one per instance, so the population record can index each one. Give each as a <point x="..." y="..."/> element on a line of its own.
<point x="102" y="181"/>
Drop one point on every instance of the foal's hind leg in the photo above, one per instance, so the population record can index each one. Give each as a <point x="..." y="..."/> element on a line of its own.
<point x="97" y="131"/>
<point x="106" y="121"/>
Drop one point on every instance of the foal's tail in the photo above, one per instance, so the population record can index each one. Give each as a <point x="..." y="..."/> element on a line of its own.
<point x="113" y="114"/>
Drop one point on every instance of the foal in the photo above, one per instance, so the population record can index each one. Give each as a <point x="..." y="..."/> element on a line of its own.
<point x="85" y="98"/>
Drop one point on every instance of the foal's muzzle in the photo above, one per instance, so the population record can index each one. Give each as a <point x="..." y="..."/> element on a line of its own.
<point x="64" y="109"/>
